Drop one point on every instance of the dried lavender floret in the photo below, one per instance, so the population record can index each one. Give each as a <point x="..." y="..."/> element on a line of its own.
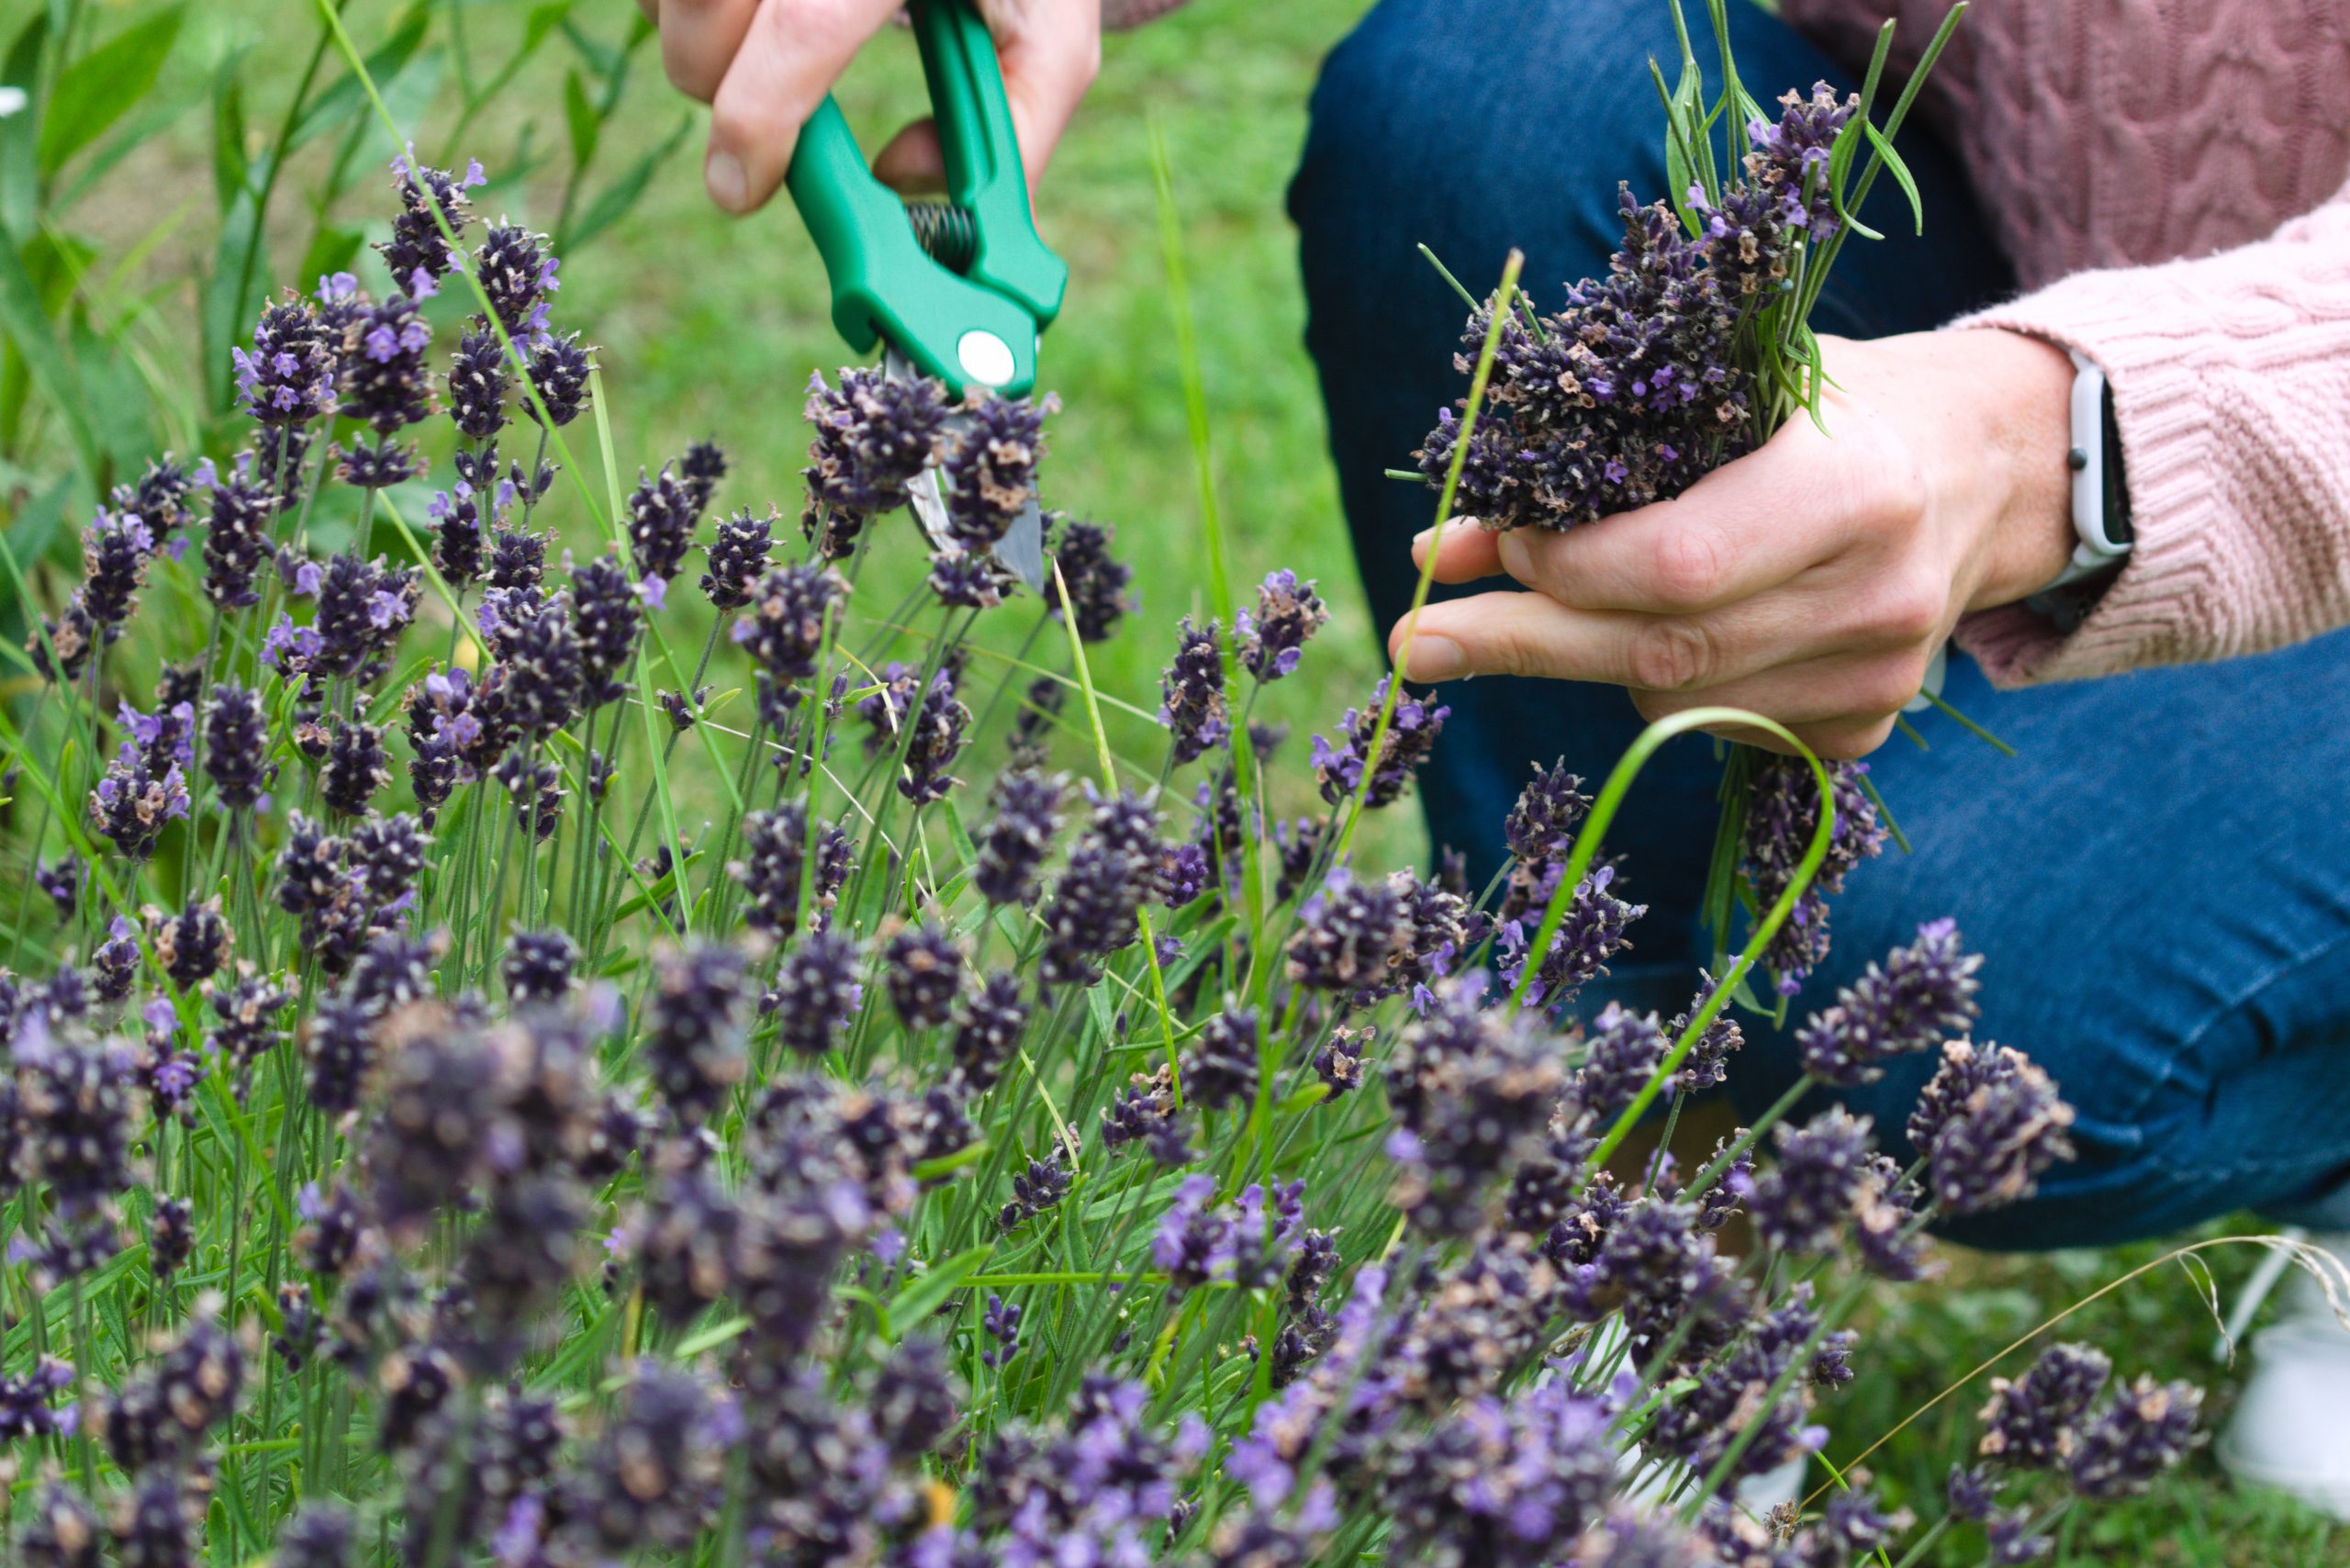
<point x="1923" y="994"/>
<point x="192" y="945"/>
<point x="387" y="854"/>
<point x="783" y="626"/>
<point x="2028" y="1422"/>
<point x="1012" y="847"/>
<point x="1541" y="824"/>
<point x="1411" y="734"/>
<point x="1193" y="688"/>
<point x="1988" y="1123"/>
<point x="1807" y="1194"/>
<point x="661" y="518"/>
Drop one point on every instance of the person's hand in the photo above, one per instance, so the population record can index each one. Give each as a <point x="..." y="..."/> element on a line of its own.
<point x="1810" y="581"/>
<point x="764" y="65"/>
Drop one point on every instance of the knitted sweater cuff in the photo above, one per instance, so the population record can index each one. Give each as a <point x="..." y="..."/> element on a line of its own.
<point x="2221" y="367"/>
<point x="1119" y="14"/>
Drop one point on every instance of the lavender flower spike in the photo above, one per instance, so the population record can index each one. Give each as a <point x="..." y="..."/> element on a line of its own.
<point x="1922" y="994"/>
<point x="1288" y="613"/>
<point x="1193" y="707"/>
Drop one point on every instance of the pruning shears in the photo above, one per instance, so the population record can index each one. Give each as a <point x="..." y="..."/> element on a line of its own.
<point x="962" y="290"/>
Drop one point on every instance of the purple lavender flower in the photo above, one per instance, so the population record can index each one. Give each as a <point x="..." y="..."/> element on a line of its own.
<point x="1000" y="1324"/>
<point x="322" y="1534"/>
<point x="938" y="725"/>
<point x="1096" y="906"/>
<point x="1520" y="1481"/>
<point x="775" y="847"/>
<point x="138" y="795"/>
<point x="539" y="966"/>
<point x="1707" y="1064"/>
<point x="783" y="627"/>
<point x="1096" y="581"/>
<point x="363" y="609"/>
<point x="288" y="377"/>
<point x="1887" y="1222"/>
<point x="1472" y="1090"/>
<point x="2147" y="1429"/>
<point x="604" y="603"/>
<point x="1411" y="735"/>
<point x="248" y="1014"/>
<point x="60" y="882"/>
<point x="236" y="738"/>
<point x="559" y="369"/>
<point x="2013" y="1538"/>
<point x="1589" y="935"/>
<point x="517" y="273"/>
<point x="356" y="767"/>
<point x="113" y="963"/>
<point x="116" y="549"/>
<point x="991" y="473"/>
<point x="63" y="643"/>
<point x="816" y="991"/>
<point x="1541" y="825"/>
<point x="1288" y="613"/>
<point x="1012" y="847"/>
<point x="1036" y="1190"/>
<point x="657" y="1472"/>
<point x="922" y="972"/>
<point x="1220" y="1067"/>
<point x="693" y="1028"/>
<point x="62" y="1531"/>
<point x="384" y="381"/>
<point x="1923" y="994"/>
<point x="1809" y="1193"/>
<point x="1625" y="1050"/>
<point x="2028" y="1422"/>
<point x="988" y="1021"/>
<point x="545" y="671"/>
<point x="873" y="435"/>
<point x="1782" y="813"/>
<point x="1193" y="707"/>
<point x="478" y="382"/>
<point x="237" y="540"/>
<point x="1350" y="935"/>
<point x="661" y="518"/>
<point x="1988" y="1123"/>
<point x="738" y="559"/>
<point x="434" y="210"/>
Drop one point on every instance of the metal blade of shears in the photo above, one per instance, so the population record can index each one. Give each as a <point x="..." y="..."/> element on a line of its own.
<point x="1020" y="552"/>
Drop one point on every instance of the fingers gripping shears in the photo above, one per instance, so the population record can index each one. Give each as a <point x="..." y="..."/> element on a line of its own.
<point x="960" y="290"/>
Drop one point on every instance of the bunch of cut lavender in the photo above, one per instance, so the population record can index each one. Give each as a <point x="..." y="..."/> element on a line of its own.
<point x="452" y="1118"/>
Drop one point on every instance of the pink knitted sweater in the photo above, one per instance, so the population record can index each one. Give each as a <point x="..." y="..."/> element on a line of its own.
<point x="2168" y="177"/>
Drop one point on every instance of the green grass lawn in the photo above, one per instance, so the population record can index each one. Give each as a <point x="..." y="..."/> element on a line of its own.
<point x="710" y="326"/>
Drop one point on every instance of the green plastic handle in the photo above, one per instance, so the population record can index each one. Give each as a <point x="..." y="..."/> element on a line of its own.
<point x="980" y="327"/>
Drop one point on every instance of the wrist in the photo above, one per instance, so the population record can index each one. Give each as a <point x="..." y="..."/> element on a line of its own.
<point x="2023" y="432"/>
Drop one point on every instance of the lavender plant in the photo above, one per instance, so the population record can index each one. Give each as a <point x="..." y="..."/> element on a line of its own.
<point x="420" y="1148"/>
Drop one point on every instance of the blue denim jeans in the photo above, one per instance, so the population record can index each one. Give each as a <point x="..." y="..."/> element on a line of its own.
<point x="2160" y="880"/>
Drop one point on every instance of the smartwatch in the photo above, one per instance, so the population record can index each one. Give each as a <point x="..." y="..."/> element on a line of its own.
<point x="2100" y="488"/>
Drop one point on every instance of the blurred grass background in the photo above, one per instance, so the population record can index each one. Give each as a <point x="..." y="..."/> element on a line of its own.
<point x="709" y="326"/>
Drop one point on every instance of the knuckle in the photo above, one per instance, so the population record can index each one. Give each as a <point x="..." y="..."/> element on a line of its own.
<point x="1689" y="568"/>
<point x="1911" y="607"/>
<point x="1889" y="684"/>
<point x="1671" y="654"/>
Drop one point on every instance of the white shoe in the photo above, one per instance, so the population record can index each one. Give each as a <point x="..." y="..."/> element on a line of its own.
<point x="2288" y="1431"/>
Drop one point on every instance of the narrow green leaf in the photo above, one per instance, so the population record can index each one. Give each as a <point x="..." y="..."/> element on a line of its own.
<point x="329" y="110"/>
<point x="333" y="250"/>
<point x="20" y="133"/>
<point x="28" y="326"/>
<point x="579" y="116"/>
<point x="1900" y="173"/>
<point x="928" y="1292"/>
<point x="97" y="89"/>
<point x="231" y="169"/>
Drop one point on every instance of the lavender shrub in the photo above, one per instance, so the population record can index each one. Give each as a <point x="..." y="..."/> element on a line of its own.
<point x="420" y="1148"/>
